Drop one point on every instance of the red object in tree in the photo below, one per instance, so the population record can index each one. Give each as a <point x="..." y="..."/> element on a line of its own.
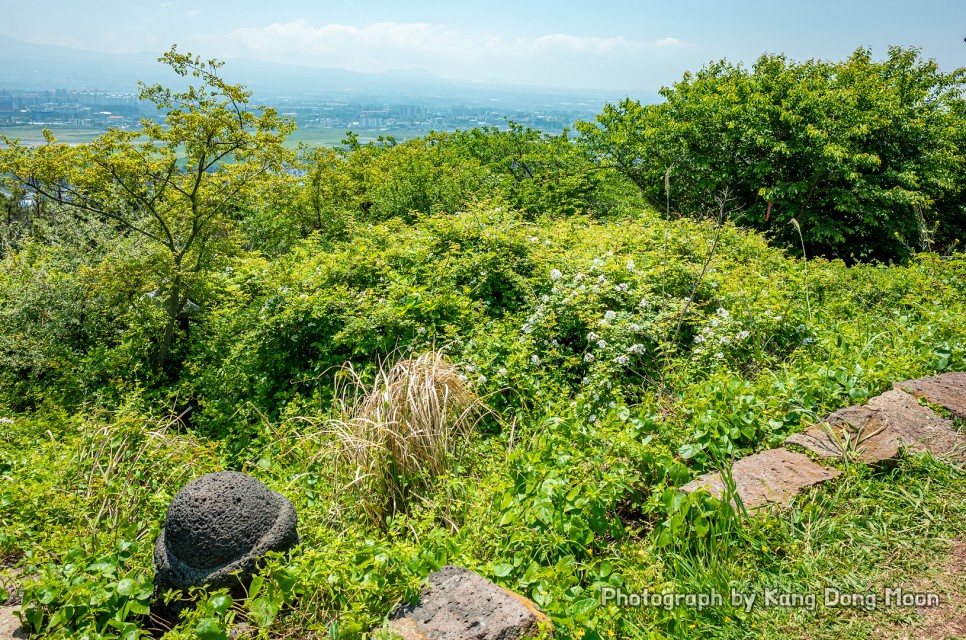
<point x="768" y="213"/>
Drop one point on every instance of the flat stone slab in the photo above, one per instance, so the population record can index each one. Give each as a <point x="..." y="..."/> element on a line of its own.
<point x="775" y="476"/>
<point x="917" y="427"/>
<point x="875" y="432"/>
<point x="459" y="604"/>
<point x="858" y="431"/>
<point x="947" y="390"/>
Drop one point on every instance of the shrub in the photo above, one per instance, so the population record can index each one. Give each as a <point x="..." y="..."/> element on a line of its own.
<point x="404" y="431"/>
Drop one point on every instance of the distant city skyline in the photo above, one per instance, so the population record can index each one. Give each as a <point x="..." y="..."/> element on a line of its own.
<point x="617" y="45"/>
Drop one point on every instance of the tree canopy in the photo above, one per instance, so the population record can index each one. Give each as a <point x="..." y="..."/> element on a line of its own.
<point x="176" y="183"/>
<point x="866" y="155"/>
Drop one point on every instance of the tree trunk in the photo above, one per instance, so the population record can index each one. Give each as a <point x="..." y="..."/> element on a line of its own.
<point x="172" y="307"/>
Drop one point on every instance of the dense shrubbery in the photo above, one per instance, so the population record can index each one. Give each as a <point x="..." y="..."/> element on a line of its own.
<point x="619" y="352"/>
<point x="868" y="156"/>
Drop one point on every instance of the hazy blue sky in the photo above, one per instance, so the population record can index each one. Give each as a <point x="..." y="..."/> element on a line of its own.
<point x="624" y="45"/>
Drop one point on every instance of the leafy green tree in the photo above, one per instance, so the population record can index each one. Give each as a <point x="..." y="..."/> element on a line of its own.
<point x="536" y="173"/>
<point x="866" y="155"/>
<point x="177" y="184"/>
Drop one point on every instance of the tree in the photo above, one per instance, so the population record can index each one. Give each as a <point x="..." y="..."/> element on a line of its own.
<point x="865" y="155"/>
<point x="177" y="183"/>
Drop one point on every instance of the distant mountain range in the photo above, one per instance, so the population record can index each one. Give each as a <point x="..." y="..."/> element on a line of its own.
<point x="27" y="66"/>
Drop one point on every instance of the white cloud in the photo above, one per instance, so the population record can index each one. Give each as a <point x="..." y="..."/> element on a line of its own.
<point x="667" y="43"/>
<point x="546" y="59"/>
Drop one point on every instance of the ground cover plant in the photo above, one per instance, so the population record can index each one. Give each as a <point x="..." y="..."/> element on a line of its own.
<point x="487" y="348"/>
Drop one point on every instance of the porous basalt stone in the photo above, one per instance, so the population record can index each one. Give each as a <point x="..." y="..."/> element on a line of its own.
<point x="220" y="525"/>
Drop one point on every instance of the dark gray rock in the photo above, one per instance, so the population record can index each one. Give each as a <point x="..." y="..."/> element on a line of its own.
<point x="459" y="604"/>
<point x="217" y="525"/>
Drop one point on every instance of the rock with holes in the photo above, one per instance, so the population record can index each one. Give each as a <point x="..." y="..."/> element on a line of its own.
<point x="217" y="528"/>
<point x="459" y="604"/>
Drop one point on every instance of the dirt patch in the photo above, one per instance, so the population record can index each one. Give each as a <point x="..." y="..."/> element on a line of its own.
<point x="948" y="620"/>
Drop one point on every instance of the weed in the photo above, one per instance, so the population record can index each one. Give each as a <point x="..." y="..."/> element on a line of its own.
<point x="404" y="431"/>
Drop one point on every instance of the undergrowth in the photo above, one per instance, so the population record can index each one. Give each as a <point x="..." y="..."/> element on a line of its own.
<point x="546" y="385"/>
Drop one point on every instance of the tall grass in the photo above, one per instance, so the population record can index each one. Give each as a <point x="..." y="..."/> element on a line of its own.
<point x="404" y="431"/>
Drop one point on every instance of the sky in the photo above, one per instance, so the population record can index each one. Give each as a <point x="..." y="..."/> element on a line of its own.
<point x="603" y="45"/>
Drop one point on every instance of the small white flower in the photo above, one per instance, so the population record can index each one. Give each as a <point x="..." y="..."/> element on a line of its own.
<point x="593" y="417"/>
<point x="612" y="404"/>
<point x="601" y="344"/>
<point x="578" y="277"/>
<point x="588" y="357"/>
<point x="714" y="322"/>
<point x="471" y="368"/>
<point x="644" y="304"/>
<point x="601" y="279"/>
<point x="482" y="379"/>
<point x="6" y="420"/>
<point x="635" y="327"/>
<point x="699" y="338"/>
<point x="622" y="360"/>
<point x="554" y="343"/>
<point x="501" y="372"/>
<point x="721" y="311"/>
<point x="622" y="287"/>
<point x="534" y="239"/>
<point x="421" y="331"/>
<point x="598" y="262"/>
<point x="535" y="360"/>
<point x="609" y="315"/>
<point x="637" y="348"/>
<point x="630" y="265"/>
<point x="544" y="298"/>
<point x="546" y="242"/>
<point x="555" y="274"/>
<point x="526" y="328"/>
<point x="591" y="337"/>
<point x="743" y="335"/>
<point x="719" y="355"/>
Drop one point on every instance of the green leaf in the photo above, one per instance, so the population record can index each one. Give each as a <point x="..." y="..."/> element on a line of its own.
<point x="221" y="602"/>
<point x="127" y="587"/>
<point x="211" y="629"/>
<point x="502" y="570"/>
<point x="583" y="606"/>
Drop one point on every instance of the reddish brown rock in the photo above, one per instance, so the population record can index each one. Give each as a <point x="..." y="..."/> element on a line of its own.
<point x="775" y="476"/>
<point x="917" y="427"/>
<point x="459" y="604"/>
<point x="857" y="432"/>
<point x="947" y="390"/>
<point x="876" y="432"/>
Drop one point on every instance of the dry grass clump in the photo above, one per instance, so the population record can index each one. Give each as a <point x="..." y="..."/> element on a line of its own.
<point x="404" y="431"/>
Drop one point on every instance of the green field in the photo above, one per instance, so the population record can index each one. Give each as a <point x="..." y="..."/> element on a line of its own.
<point x="33" y="135"/>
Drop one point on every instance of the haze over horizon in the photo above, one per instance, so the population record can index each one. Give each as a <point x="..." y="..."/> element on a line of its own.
<point x="619" y="45"/>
